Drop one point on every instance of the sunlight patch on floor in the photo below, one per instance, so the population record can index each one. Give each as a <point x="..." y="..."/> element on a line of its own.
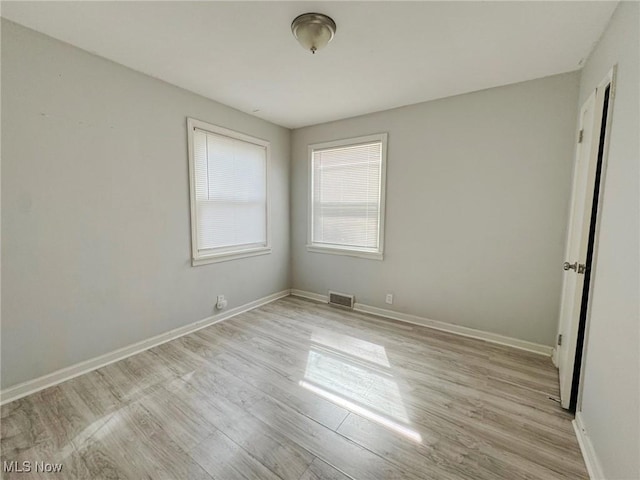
<point x="356" y="374"/>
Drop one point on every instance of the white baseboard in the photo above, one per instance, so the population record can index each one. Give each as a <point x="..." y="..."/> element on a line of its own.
<point x="31" y="386"/>
<point x="588" y="452"/>
<point x="435" y="324"/>
<point x="310" y="295"/>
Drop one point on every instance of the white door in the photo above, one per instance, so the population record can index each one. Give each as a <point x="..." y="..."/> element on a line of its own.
<point x="577" y="240"/>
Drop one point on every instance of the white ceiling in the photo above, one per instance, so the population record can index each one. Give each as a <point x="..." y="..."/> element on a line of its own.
<point x="384" y="54"/>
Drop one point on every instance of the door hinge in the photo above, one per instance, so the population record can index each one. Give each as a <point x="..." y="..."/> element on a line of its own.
<point x="560" y="339"/>
<point x="580" y="136"/>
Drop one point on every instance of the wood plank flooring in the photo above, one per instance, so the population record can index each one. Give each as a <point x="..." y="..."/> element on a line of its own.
<point x="302" y="391"/>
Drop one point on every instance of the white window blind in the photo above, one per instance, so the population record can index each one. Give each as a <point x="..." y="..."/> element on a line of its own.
<point x="347" y="193"/>
<point x="229" y="193"/>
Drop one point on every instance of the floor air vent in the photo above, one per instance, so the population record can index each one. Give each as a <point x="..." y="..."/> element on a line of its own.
<point x="341" y="300"/>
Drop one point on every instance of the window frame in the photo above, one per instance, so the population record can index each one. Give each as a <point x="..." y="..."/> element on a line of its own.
<point x="345" y="249"/>
<point x="234" y="252"/>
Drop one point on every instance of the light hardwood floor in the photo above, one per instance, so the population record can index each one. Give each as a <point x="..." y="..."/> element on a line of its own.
<point x="300" y="390"/>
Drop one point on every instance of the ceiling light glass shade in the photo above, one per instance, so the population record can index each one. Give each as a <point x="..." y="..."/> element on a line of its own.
<point x="313" y="30"/>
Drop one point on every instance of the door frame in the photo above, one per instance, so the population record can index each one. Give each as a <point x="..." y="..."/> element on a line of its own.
<point x="608" y="81"/>
<point x="573" y="330"/>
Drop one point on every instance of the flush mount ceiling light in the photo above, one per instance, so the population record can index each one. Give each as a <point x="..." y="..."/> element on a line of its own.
<point x="313" y="30"/>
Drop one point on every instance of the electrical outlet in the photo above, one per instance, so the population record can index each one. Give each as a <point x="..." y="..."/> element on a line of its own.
<point x="221" y="302"/>
<point x="389" y="298"/>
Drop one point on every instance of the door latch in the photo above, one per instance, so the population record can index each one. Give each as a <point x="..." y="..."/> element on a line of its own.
<point x="570" y="266"/>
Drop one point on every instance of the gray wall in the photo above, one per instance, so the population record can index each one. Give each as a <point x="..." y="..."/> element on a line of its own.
<point x="477" y="197"/>
<point x="611" y="395"/>
<point x="95" y="208"/>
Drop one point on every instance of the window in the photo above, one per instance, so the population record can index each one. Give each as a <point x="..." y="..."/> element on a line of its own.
<point x="228" y="183"/>
<point x="347" y="188"/>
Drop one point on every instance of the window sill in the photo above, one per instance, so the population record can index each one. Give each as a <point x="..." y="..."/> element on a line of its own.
<point x="345" y="251"/>
<point x="224" y="257"/>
